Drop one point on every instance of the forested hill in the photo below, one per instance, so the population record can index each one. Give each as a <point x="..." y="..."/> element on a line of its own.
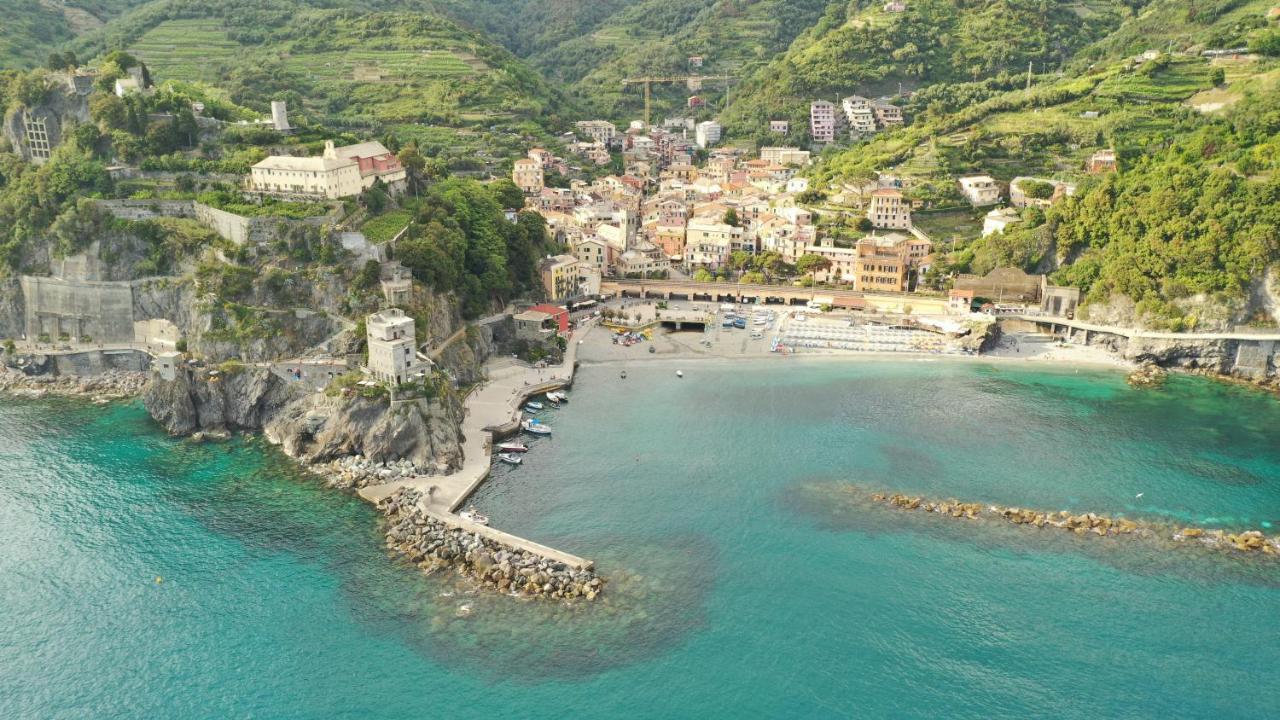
<point x="862" y="48"/>
<point x="31" y="29"/>
<point x="345" y="62"/>
<point x="591" y="47"/>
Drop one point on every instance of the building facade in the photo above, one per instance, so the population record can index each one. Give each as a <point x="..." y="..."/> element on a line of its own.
<point x="328" y="176"/>
<point x="888" y="210"/>
<point x="390" y="335"/>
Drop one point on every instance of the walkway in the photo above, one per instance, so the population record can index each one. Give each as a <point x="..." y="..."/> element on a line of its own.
<point x="1257" y="336"/>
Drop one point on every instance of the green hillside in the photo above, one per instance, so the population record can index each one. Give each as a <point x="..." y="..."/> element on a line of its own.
<point x="31" y="29"/>
<point x="863" y="49"/>
<point x="340" y="67"/>
<point x="591" y="48"/>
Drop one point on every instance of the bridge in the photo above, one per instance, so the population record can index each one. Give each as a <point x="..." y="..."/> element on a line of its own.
<point x="774" y="294"/>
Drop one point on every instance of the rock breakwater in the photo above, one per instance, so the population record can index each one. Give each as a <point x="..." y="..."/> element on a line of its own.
<point x="1252" y="541"/>
<point x="434" y="545"/>
<point x="111" y="385"/>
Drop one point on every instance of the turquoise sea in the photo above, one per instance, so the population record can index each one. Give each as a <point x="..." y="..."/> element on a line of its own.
<point x="743" y="586"/>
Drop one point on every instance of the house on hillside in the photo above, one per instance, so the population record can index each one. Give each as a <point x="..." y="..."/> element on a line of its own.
<point x="779" y="127"/>
<point x="823" y="123"/>
<point x="526" y="173"/>
<point x="888" y="210"/>
<point x="997" y="221"/>
<point x="375" y="162"/>
<point x="980" y="190"/>
<point x="1102" y="161"/>
<point x="1019" y="187"/>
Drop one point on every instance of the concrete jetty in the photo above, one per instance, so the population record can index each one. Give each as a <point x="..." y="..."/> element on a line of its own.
<point x="492" y="410"/>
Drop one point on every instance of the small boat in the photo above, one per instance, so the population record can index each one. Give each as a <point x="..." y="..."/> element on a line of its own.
<point x="474" y="516"/>
<point x="534" y="405"/>
<point x="513" y="447"/>
<point x="679" y="373"/>
<point x="535" y="427"/>
<point x="510" y="458"/>
<point x="624" y="375"/>
<point x="556" y="397"/>
<point x="531" y="410"/>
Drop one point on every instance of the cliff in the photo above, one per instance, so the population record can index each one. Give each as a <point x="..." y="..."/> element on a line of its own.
<point x="425" y="433"/>
<point x="194" y="402"/>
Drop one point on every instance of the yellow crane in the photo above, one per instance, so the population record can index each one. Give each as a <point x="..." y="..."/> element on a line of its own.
<point x="648" y="80"/>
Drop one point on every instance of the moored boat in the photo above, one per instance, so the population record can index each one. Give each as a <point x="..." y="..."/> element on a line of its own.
<point x="510" y="458"/>
<point x="513" y="447"/>
<point x="534" y="405"/>
<point x="535" y="427"/>
<point x="474" y="516"/>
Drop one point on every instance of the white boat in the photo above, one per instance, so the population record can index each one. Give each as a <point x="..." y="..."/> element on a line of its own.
<point x="474" y="516"/>
<point x="510" y="458"/>
<point x="679" y="373"/>
<point x="513" y="447"/>
<point x="535" y="427"/>
<point x="532" y="410"/>
<point x="556" y="397"/>
<point x="534" y="405"/>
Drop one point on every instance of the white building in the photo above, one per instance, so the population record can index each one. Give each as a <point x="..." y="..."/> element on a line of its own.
<point x="857" y="110"/>
<point x="327" y="176"/>
<point x="997" y="221"/>
<point x="600" y="131"/>
<point x="707" y="133"/>
<point x="709" y="243"/>
<point x="980" y="190"/>
<point x="392" y="356"/>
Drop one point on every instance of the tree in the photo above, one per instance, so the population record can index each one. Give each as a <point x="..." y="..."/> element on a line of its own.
<point x="811" y="265"/>
<point x="863" y="224"/>
<point x="507" y="194"/>
<point x="702" y="275"/>
<point x="731" y="217"/>
<point x="1217" y="77"/>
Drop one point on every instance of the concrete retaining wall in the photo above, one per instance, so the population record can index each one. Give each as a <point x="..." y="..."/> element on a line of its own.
<point x="96" y="362"/>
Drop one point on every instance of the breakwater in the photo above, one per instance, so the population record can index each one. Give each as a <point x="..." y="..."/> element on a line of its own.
<point x="1084" y="524"/>
<point x="433" y="544"/>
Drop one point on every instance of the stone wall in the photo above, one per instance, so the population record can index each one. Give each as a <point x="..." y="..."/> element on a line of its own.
<point x="236" y="228"/>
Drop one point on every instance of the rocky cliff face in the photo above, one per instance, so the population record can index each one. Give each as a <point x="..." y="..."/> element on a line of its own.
<point x="425" y="433"/>
<point x="193" y="402"/>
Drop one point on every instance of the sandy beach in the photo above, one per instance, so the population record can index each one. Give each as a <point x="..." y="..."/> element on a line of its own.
<point x="719" y="343"/>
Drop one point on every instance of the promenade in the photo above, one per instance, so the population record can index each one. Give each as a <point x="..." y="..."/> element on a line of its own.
<point x="494" y="406"/>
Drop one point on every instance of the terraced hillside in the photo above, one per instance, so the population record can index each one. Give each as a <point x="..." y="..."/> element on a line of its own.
<point x="31" y="29"/>
<point x="648" y="37"/>
<point x="866" y="50"/>
<point x="342" y="67"/>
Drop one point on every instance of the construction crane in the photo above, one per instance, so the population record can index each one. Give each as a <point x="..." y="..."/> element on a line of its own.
<point x="648" y="80"/>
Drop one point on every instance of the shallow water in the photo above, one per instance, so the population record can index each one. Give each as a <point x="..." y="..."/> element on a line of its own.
<point x="741" y="586"/>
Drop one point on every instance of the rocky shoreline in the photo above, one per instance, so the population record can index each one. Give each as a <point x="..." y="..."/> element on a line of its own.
<point x="433" y="545"/>
<point x="356" y="471"/>
<point x="110" y="385"/>
<point x="1252" y="541"/>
